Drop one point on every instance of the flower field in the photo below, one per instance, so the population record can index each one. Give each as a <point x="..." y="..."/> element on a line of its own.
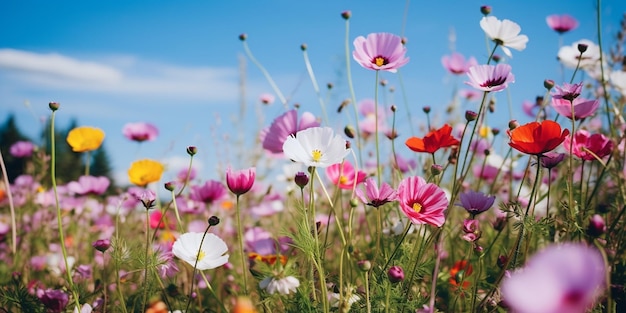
<point x="366" y="217"/>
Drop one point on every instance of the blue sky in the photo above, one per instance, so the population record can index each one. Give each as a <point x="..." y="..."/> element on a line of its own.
<point x="177" y="63"/>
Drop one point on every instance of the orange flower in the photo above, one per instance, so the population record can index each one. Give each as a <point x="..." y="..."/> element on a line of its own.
<point x="537" y="138"/>
<point x="459" y="273"/>
<point x="85" y="138"/>
<point x="243" y="305"/>
<point x="433" y="141"/>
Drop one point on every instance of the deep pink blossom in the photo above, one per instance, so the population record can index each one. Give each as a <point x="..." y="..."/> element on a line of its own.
<point x="140" y="131"/>
<point x="471" y="229"/>
<point x="210" y="192"/>
<point x="421" y="202"/>
<point x="587" y="146"/>
<point x="561" y="23"/>
<point x="344" y="175"/>
<point x="54" y="300"/>
<point x="583" y="108"/>
<point x="285" y="125"/>
<point x="380" y="51"/>
<point x="561" y="278"/>
<point x="374" y="196"/>
<point x="241" y="181"/>
<point x="89" y="185"/>
<point x="490" y="77"/>
<point x="456" y="63"/>
<point x="22" y="149"/>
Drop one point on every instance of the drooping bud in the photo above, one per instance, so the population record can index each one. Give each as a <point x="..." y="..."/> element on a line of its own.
<point x="349" y="131"/>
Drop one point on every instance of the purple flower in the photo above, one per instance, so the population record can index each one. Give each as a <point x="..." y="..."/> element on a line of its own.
<point x="210" y="192"/>
<point x="54" y="300"/>
<point x="380" y="51"/>
<point x="147" y="198"/>
<point x="140" y="131"/>
<point x="376" y="197"/>
<point x="490" y="77"/>
<point x="582" y="107"/>
<point x="89" y="185"/>
<point x="560" y="278"/>
<point x="456" y="63"/>
<point x="22" y="149"/>
<point x="240" y="182"/>
<point x="567" y="91"/>
<point x="284" y="126"/>
<point x="561" y="23"/>
<point x="475" y="202"/>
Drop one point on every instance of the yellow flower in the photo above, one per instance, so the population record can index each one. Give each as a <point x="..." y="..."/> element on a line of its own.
<point x="145" y="171"/>
<point x="85" y="138"/>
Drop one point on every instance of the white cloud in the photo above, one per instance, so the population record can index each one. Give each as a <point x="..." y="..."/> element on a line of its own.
<point x="118" y="75"/>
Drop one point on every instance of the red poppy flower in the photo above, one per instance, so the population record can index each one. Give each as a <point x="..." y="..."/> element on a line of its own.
<point x="433" y="141"/>
<point x="537" y="138"/>
<point x="459" y="273"/>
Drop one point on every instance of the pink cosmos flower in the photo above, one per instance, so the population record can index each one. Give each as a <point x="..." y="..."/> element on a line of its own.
<point x="560" y="278"/>
<point x="587" y="146"/>
<point x="380" y="51"/>
<point x="456" y="64"/>
<point x="140" y="131"/>
<point x="404" y="165"/>
<point x="89" y="185"/>
<point x="376" y="197"/>
<point x="240" y="182"/>
<point x="267" y="98"/>
<point x="22" y="149"/>
<point x="210" y="192"/>
<point x="583" y="108"/>
<point x="370" y="114"/>
<point x="490" y="77"/>
<point x="567" y="91"/>
<point x="284" y="126"/>
<point x="471" y="229"/>
<point x="421" y="202"/>
<point x="344" y="175"/>
<point x="470" y="94"/>
<point x="561" y="23"/>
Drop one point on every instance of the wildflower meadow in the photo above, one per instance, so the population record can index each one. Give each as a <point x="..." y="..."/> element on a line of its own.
<point x="451" y="214"/>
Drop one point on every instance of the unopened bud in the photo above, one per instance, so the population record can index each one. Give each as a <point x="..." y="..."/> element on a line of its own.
<point x="404" y="40"/>
<point x="102" y="244"/>
<point x="502" y="260"/>
<point x="495" y="131"/>
<point x="303" y="47"/>
<point x="426" y="109"/>
<point x="192" y="150"/>
<point x="548" y="84"/>
<point x="596" y="226"/>
<point x="329" y="86"/>
<point x="301" y="179"/>
<point x="54" y="106"/>
<point x="346" y="15"/>
<point x="383" y="82"/>
<point x="394" y="108"/>
<point x="349" y="131"/>
<point x="582" y="48"/>
<point x="470" y="115"/>
<point x="436" y="169"/>
<point x="364" y="265"/>
<point x="354" y="203"/>
<point x="214" y="220"/>
<point x="170" y="186"/>
<point x="513" y="124"/>
<point x="485" y="9"/>
<point x="496" y="58"/>
<point x="395" y="274"/>
<point x="243" y="37"/>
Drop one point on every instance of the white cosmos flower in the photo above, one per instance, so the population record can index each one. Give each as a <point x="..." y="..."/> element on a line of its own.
<point x="316" y="146"/>
<point x="212" y="253"/>
<point x="618" y="80"/>
<point x="505" y="33"/>
<point x="283" y="286"/>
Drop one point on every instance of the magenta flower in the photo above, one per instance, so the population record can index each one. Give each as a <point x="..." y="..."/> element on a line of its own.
<point x="490" y="77"/>
<point x="561" y="23"/>
<point x="583" y="108"/>
<point x="210" y="192"/>
<point x="140" y="131"/>
<point x="560" y="278"/>
<point x="471" y="229"/>
<point x="587" y="146"/>
<point x="380" y="51"/>
<point x="475" y="202"/>
<point x="421" y="202"/>
<point x="22" y="149"/>
<point x="240" y="182"/>
<point x="456" y="63"/>
<point x="567" y="91"/>
<point x="54" y="300"/>
<point x="284" y="126"/>
<point x="89" y="185"/>
<point x="344" y="175"/>
<point x="376" y="197"/>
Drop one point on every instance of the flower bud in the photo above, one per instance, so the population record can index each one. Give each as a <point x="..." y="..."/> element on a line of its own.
<point x="170" y="186"/>
<point x="192" y="150"/>
<point x="436" y="169"/>
<point x="303" y="47"/>
<point x="502" y="260"/>
<point x="364" y="265"/>
<point x="301" y="179"/>
<point x="349" y="131"/>
<point x="496" y="58"/>
<point x="329" y="86"/>
<point x="243" y="37"/>
<point x="426" y="109"/>
<point x="383" y="82"/>
<point x="470" y="115"/>
<point x="495" y="131"/>
<point x="548" y="84"/>
<point x="485" y="9"/>
<point x="394" y="108"/>
<point x="54" y="106"/>
<point x="513" y="124"/>
<point x="582" y="48"/>
<point x="499" y="223"/>
<point x="214" y="220"/>
<point x="354" y="203"/>
<point x="102" y="244"/>
<point x="395" y="274"/>
<point x="346" y="15"/>
<point x="403" y="40"/>
<point x="596" y="227"/>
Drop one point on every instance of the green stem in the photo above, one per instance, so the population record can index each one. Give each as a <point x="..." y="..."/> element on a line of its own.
<point x="309" y="69"/>
<point x="145" y="272"/>
<point x="359" y="140"/>
<point x="265" y="73"/>
<point x="5" y="177"/>
<point x="195" y="265"/>
<point x="243" y="256"/>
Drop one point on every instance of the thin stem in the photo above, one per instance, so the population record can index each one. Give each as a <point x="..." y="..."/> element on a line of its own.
<point x="145" y="272"/>
<point x="376" y="139"/>
<point x="195" y="265"/>
<point x="316" y="87"/>
<point x="243" y="256"/>
<point x="11" y="205"/>
<point x="208" y="284"/>
<point x="87" y="162"/>
<point x="265" y="73"/>
<point x="359" y="140"/>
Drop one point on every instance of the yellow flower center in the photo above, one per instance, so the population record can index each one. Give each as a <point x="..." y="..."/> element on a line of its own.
<point x="380" y="61"/>
<point x="201" y="255"/>
<point x="417" y="207"/>
<point x="343" y="180"/>
<point x="316" y="155"/>
<point x="484" y="131"/>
